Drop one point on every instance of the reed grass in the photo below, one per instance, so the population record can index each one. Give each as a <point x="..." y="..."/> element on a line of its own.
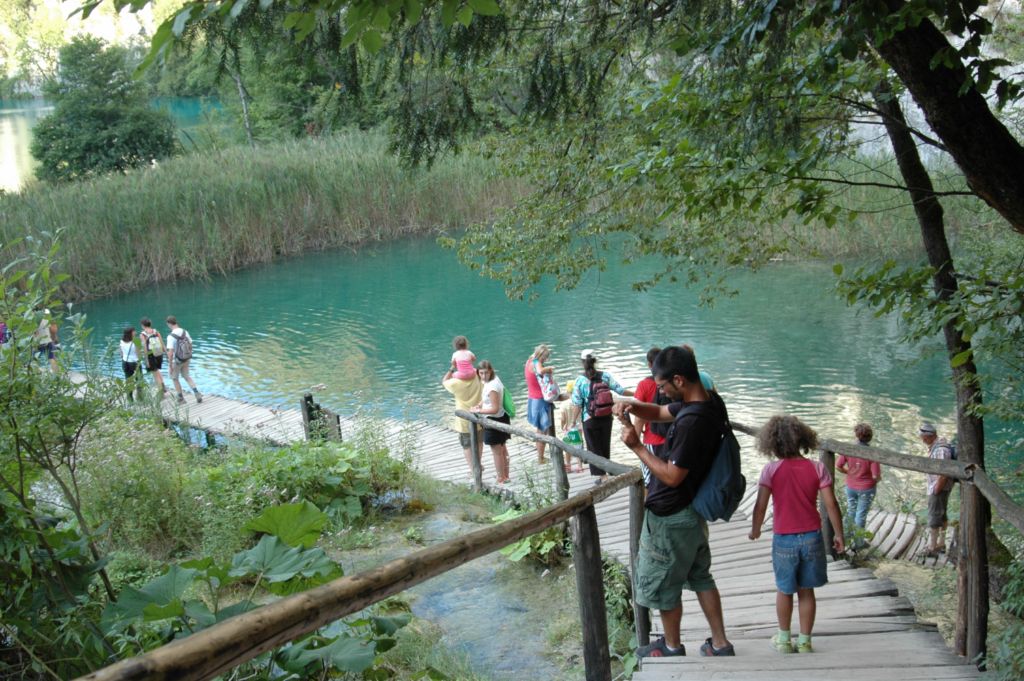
<point x="882" y="222"/>
<point x="215" y="212"/>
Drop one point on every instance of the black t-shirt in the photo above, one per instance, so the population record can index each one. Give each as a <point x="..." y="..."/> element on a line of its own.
<point x="692" y="444"/>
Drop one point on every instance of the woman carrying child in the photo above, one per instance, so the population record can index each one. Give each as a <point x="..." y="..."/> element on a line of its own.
<point x="793" y="483"/>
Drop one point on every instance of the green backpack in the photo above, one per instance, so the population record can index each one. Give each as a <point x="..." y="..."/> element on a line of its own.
<point x="507" y="404"/>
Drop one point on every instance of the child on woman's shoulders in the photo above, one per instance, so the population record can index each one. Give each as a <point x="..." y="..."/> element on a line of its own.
<point x="793" y="483"/>
<point x="463" y="360"/>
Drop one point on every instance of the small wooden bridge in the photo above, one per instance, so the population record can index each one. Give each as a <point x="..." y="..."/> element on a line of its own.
<point x="864" y="627"/>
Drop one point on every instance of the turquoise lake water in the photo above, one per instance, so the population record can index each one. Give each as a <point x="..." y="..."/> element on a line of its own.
<point x="371" y="331"/>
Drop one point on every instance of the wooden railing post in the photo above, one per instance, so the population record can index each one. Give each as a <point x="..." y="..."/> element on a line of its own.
<point x="474" y="456"/>
<point x="828" y="532"/>
<point x="561" y="477"/>
<point x="963" y="598"/>
<point x="641" y="613"/>
<point x="586" y="557"/>
<point x="977" y="570"/>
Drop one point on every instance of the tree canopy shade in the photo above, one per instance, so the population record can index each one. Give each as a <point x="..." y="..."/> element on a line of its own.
<point x="101" y="120"/>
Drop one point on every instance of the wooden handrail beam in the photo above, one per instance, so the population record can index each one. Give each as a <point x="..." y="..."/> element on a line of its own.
<point x="604" y="464"/>
<point x="921" y="464"/>
<point x="1005" y="507"/>
<point x="232" y="642"/>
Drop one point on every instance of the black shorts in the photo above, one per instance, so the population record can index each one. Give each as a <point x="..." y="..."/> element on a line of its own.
<point x="154" y="363"/>
<point x="497" y="437"/>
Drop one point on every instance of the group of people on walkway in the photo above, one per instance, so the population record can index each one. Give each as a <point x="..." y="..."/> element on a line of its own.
<point x="148" y="349"/>
<point x="675" y="426"/>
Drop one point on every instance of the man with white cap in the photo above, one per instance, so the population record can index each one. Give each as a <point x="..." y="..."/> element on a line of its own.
<point x="939" y="487"/>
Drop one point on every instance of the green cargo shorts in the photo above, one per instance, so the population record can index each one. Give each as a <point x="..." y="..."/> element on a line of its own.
<point x="674" y="554"/>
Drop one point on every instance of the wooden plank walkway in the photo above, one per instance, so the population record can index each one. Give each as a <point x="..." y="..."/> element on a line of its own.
<point x="864" y="627"/>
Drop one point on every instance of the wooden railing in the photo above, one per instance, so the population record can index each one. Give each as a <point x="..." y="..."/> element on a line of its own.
<point x="972" y="582"/>
<point x="232" y="642"/>
<point x="239" y="639"/>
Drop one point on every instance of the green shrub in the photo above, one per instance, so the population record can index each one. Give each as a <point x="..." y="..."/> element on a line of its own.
<point x="1006" y="656"/>
<point x="336" y="477"/>
<point x="134" y="477"/>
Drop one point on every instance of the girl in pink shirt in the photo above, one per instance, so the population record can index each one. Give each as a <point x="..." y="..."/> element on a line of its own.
<point x="862" y="478"/>
<point x="463" y="360"/>
<point x="793" y="482"/>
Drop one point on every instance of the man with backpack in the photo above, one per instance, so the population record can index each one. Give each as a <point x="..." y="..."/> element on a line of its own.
<point x="179" y="356"/>
<point x="939" y="488"/>
<point x="674" y="549"/>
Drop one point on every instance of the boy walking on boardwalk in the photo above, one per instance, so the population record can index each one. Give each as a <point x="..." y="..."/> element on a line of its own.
<point x="798" y="550"/>
<point x="674" y="549"/>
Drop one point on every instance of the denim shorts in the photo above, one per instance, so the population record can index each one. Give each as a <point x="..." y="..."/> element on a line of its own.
<point x="799" y="561"/>
<point x="538" y="413"/>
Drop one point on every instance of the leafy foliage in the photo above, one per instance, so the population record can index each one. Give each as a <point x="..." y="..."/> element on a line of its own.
<point x="544" y="548"/>
<point x="151" y="463"/>
<point x="48" y="554"/>
<point x="101" y="121"/>
<point x="194" y="595"/>
<point x="1006" y="658"/>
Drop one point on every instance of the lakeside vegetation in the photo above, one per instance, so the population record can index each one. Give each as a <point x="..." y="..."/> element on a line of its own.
<point x="199" y="215"/>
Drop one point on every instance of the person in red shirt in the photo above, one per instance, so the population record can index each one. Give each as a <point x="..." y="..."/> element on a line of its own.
<point x="862" y="478"/>
<point x="647" y="391"/>
<point x="793" y="483"/>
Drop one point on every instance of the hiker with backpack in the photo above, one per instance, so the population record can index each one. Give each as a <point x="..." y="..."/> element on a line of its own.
<point x="153" y="349"/>
<point x="592" y="400"/>
<point x="939" y="488"/>
<point x="179" y="356"/>
<point x="674" y="549"/>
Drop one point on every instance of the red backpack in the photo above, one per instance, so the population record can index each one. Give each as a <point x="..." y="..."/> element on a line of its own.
<point x="600" y="401"/>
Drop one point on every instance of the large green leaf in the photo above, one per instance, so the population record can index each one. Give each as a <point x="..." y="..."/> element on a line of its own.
<point x="295" y="524"/>
<point x="276" y="562"/>
<point x="344" y="653"/>
<point x="160" y="599"/>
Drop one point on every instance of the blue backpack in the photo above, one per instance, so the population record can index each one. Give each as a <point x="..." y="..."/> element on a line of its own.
<point x="723" y="488"/>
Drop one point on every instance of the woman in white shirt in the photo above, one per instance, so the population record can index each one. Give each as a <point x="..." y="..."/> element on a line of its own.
<point x="491" y="406"/>
<point x="129" y="358"/>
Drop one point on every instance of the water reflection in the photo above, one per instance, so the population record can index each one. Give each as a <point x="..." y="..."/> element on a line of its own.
<point x="17" y="118"/>
<point x="375" y="329"/>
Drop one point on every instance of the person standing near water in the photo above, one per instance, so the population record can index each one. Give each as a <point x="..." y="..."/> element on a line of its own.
<point x="153" y="349"/>
<point x="492" y="406"/>
<point x="539" y="412"/>
<point x="179" y="362"/>
<point x="939" y="488"/>
<point x="129" y="360"/>
<point x="647" y="391"/>
<point x="467" y="394"/>
<point x="674" y="549"/>
<point x="862" y="478"/>
<point x="592" y="401"/>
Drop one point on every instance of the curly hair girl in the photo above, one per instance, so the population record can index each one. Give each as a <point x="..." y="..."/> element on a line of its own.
<point x="785" y="437"/>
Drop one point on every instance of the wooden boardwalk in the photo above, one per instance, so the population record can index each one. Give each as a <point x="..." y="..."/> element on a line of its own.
<point x="864" y="628"/>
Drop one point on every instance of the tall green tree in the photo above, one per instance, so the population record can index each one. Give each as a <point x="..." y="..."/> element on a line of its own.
<point x="101" y="121"/>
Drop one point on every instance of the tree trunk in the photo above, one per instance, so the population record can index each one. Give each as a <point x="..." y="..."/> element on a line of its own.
<point x="990" y="157"/>
<point x="243" y="95"/>
<point x="971" y="433"/>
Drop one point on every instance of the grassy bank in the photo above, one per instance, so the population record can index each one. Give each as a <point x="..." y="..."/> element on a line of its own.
<point x="213" y="213"/>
